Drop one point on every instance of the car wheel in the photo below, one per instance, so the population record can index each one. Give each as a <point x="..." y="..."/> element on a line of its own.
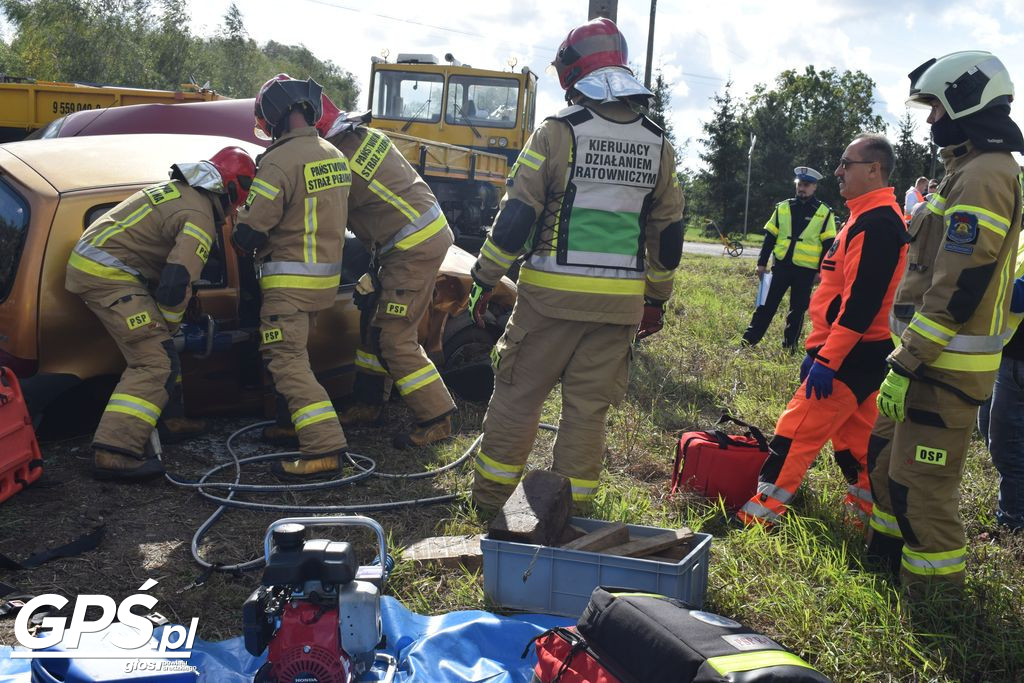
<point x="467" y="363"/>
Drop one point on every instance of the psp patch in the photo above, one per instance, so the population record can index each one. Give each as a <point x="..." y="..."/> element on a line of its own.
<point x="272" y="335"/>
<point x="962" y="232"/>
<point x="137" y="320"/>
<point x="395" y="309"/>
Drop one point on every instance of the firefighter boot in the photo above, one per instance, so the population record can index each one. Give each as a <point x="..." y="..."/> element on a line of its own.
<point x="111" y="466"/>
<point x="360" y="413"/>
<point x="426" y="433"/>
<point x="178" y="429"/>
<point x="309" y="468"/>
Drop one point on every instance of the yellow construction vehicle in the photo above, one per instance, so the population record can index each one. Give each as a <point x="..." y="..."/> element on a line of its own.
<point x="27" y="104"/>
<point x="450" y="108"/>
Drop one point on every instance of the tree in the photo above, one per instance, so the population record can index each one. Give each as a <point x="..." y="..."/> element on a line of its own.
<point x="913" y="158"/>
<point x="661" y="105"/>
<point x="805" y="118"/>
<point x="725" y="156"/>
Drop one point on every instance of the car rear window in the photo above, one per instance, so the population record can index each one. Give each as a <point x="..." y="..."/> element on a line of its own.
<point x="13" y="227"/>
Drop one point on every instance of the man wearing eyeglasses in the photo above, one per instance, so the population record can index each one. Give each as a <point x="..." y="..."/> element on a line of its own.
<point x="848" y="344"/>
<point x="951" y="313"/>
<point x="800" y="230"/>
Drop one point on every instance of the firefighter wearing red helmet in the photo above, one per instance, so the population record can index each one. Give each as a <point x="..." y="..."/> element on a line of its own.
<point x="594" y="211"/>
<point x="294" y="223"/>
<point x="396" y="216"/>
<point x="134" y="267"/>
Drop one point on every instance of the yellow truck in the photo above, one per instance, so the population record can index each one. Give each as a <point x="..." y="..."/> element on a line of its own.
<point x="448" y="111"/>
<point x="27" y="104"/>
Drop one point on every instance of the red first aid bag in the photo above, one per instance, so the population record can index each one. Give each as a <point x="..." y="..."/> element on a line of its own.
<point x="563" y="656"/>
<point x="21" y="463"/>
<point x="716" y="464"/>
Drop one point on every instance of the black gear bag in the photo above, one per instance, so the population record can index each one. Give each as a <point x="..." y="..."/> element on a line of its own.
<point x="650" y="637"/>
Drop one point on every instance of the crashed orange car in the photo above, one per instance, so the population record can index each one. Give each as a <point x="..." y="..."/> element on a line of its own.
<point x="51" y="190"/>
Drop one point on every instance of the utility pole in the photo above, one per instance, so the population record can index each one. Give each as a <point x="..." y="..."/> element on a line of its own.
<point x="650" y="46"/>
<point x="746" y="205"/>
<point x="603" y="8"/>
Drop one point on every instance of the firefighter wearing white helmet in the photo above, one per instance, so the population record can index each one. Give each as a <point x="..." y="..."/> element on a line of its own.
<point x="950" y="318"/>
<point x="294" y="223"/>
<point x="134" y="267"/>
<point x="594" y="210"/>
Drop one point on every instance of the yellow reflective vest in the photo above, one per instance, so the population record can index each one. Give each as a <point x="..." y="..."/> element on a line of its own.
<point x="807" y="251"/>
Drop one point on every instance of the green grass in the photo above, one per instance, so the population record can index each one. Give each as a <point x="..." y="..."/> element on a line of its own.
<point x="803" y="584"/>
<point x="694" y="233"/>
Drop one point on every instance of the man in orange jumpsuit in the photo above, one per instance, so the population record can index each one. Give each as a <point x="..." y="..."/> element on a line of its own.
<point x="848" y="344"/>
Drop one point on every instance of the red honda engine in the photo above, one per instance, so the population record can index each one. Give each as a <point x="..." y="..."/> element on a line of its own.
<point x="312" y="589"/>
<point x="306" y="647"/>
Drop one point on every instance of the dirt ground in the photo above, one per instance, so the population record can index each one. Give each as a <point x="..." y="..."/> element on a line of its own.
<point x="149" y="527"/>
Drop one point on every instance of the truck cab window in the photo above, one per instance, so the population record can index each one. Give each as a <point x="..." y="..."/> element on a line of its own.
<point x="407" y="96"/>
<point x="479" y="101"/>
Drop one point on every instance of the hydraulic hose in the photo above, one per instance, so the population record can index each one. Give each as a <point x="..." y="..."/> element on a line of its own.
<point x="366" y="466"/>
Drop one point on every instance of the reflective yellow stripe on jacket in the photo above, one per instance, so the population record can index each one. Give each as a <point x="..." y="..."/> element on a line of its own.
<point x="295" y="275"/>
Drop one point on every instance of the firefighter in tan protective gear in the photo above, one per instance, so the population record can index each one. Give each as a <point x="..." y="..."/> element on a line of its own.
<point x="594" y="203"/>
<point x="951" y="317"/>
<point x="133" y="268"/>
<point x="396" y="216"/>
<point x="294" y="221"/>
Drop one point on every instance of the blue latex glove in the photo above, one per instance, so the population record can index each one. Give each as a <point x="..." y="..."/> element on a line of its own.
<point x="805" y="367"/>
<point x="1017" y="300"/>
<point x="892" y="396"/>
<point x="819" y="379"/>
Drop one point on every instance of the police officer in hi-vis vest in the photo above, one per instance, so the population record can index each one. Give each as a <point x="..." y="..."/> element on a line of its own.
<point x="594" y="204"/>
<point x="134" y="267"/>
<point x="797" y="235"/>
<point x="294" y="221"/>
<point x="951" y="318"/>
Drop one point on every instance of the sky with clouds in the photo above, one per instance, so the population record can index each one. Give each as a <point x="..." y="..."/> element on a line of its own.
<point x="698" y="45"/>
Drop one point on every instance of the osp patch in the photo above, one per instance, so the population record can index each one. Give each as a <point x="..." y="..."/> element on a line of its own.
<point x="962" y="232"/>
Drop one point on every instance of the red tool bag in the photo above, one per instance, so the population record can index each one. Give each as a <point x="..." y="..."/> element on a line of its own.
<point x="563" y="656"/>
<point x="21" y="463"/>
<point x="716" y="464"/>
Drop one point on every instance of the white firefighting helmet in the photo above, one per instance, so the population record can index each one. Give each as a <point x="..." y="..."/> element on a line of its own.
<point x="964" y="82"/>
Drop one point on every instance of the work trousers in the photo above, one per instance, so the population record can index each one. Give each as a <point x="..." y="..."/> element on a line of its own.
<point x="141" y="334"/>
<point x="390" y="352"/>
<point x="1001" y="423"/>
<point x="915" y="467"/>
<point x="591" y="359"/>
<point x="799" y="282"/>
<point x="802" y="430"/>
<point x="284" y="337"/>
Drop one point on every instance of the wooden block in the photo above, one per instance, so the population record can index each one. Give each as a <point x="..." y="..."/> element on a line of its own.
<point x="675" y="553"/>
<point x="608" y="537"/>
<point x="537" y="512"/>
<point x="571" y="533"/>
<point x="652" y="544"/>
<point x="448" y="551"/>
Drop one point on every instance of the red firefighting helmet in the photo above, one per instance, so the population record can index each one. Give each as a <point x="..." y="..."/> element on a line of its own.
<point x="330" y="114"/>
<point x="237" y="169"/>
<point x="278" y="97"/>
<point x="594" y="45"/>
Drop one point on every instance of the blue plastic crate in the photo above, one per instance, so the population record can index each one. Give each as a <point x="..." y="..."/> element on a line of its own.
<point x="547" y="580"/>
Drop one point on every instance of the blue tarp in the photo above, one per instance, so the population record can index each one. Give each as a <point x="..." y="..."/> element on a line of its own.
<point x="460" y="647"/>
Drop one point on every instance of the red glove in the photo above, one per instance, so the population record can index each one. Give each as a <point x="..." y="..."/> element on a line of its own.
<point x="653" y="320"/>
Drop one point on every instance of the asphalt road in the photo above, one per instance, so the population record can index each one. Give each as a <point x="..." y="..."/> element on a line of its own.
<point x="708" y="249"/>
